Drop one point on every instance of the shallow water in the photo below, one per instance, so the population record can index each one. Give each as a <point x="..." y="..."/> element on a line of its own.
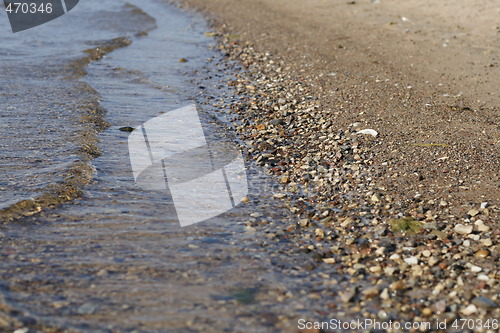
<point x="115" y="259"/>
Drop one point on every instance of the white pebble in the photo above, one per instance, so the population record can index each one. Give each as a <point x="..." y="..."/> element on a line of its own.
<point x="368" y="131"/>
<point x="463" y="229"/>
<point x="483" y="277"/>
<point x="411" y="260"/>
<point x="481" y="226"/>
<point x="471" y="309"/>
<point x="475" y="269"/>
<point x="395" y="256"/>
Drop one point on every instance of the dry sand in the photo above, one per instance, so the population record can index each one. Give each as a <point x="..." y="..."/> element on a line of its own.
<point x="425" y="76"/>
<point x="416" y="71"/>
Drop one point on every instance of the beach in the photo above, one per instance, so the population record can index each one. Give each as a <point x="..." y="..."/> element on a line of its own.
<point x="370" y="136"/>
<point x="380" y="119"/>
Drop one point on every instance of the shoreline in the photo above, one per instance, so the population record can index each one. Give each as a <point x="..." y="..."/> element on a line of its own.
<point x="409" y="214"/>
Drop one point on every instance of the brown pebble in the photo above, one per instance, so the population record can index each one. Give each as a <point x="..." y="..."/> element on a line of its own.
<point x="398" y="285"/>
<point x="482" y="253"/>
<point x="427" y="312"/>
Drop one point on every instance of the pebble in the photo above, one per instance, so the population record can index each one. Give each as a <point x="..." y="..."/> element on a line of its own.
<point x="389" y="271"/>
<point x="487" y="242"/>
<point x="371" y="292"/>
<point x="368" y="131"/>
<point x="427" y="312"/>
<point x="485" y="303"/>
<point x="474" y="268"/>
<point x="484" y="205"/>
<point x="86" y="309"/>
<point x="463" y="229"/>
<point x="432" y="261"/>
<point x="467" y="311"/>
<point x="482" y="254"/>
<point x="439" y="306"/>
<point x="385" y="295"/>
<point x="483" y="277"/>
<point x="395" y="256"/>
<point x="474" y="237"/>
<point x="473" y="212"/>
<point x="398" y="285"/>
<point x="481" y="226"/>
<point x="411" y="260"/>
<point x="347" y="295"/>
<point x="304" y="222"/>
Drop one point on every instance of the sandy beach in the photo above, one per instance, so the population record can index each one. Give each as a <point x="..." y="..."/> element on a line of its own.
<point x="370" y="136"/>
<point x="412" y="214"/>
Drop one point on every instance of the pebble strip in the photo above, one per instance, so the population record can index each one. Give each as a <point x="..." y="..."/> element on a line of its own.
<point x="411" y="256"/>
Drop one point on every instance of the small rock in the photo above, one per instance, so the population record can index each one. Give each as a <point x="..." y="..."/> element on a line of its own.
<point x="371" y="292"/>
<point x="474" y="268"/>
<point x="439" y="306"/>
<point x="304" y="222"/>
<point x="427" y="312"/>
<point x="389" y="271"/>
<point x="127" y="129"/>
<point x="329" y="260"/>
<point x="482" y="254"/>
<point x="473" y="212"/>
<point x="411" y="260"/>
<point x="375" y="198"/>
<point x="474" y="237"/>
<point x="347" y="295"/>
<point x="183" y="60"/>
<point x="369" y="132"/>
<point x="398" y="285"/>
<point x="86" y="309"/>
<point x="432" y="261"/>
<point x="483" y="277"/>
<point x="395" y="256"/>
<point x="463" y="229"/>
<point x="484" y="205"/>
<point x="485" y="303"/>
<point x="385" y="295"/>
<point x="471" y="309"/>
<point x="481" y="226"/>
<point x="487" y="242"/>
